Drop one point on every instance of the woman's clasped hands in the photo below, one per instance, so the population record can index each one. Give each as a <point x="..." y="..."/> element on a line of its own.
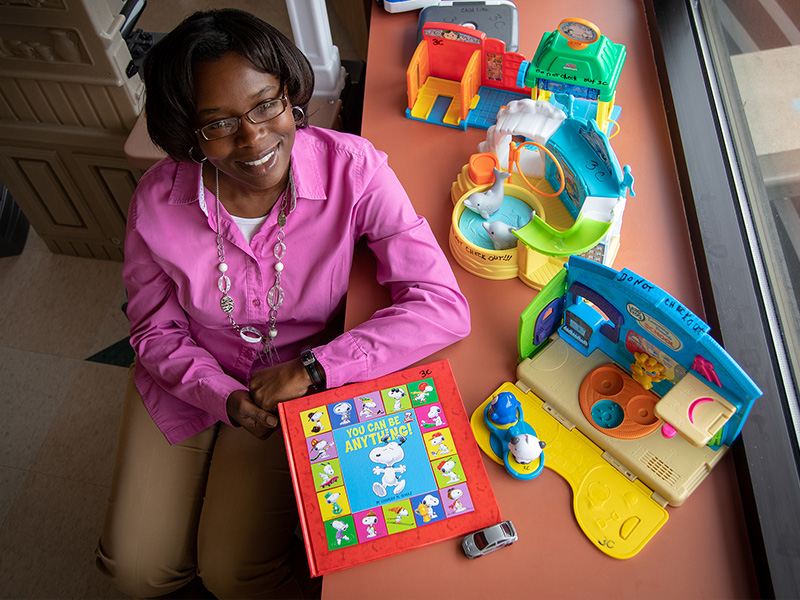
<point x="256" y="409"/>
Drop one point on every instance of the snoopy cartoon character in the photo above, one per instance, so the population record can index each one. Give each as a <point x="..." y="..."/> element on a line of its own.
<point x="447" y="469"/>
<point x="343" y="410"/>
<point x="397" y="394"/>
<point x="425" y="390"/>
<point x="438" y="445"/>
<point x="399" y="513"/>
<point x="328" y="475"/>
<point x="315" y="418"/>
<point x="369" y="408"/>
<point x="434" y="417"/>
<point x="425" y="508"/>
<point x="332" y="499"/>
<point x="454" y="495"/>
<point x="320" y="447"/>
<point x="370" y="521"/>
<point x="388" y="455"/>
<point x="340" y="527"/>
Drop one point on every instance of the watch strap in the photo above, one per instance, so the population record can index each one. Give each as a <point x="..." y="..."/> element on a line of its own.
<point x="312" y="368"/>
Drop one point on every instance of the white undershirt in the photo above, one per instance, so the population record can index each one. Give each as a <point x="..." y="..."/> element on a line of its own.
<point x="249" y="227"/>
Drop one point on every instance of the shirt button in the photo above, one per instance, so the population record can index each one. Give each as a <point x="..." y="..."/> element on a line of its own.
<point x="256" y="302"/>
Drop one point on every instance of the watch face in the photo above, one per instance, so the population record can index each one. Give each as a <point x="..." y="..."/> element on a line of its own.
<point x="579" y="32"/>
<point x="307" y="357"/>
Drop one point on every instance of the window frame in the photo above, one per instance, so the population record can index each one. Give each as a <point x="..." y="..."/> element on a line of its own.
<point x="766" y="454"/>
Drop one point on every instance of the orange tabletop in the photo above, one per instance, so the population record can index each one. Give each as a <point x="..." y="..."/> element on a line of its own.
<point x="703" y="550"/>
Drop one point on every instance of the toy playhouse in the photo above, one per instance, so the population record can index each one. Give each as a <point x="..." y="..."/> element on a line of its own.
<point x="576" y="60"/>
<point x="559" y="139"/>
<point x="459" y="77"/>
<point x="574" y="208"/>
<point x="633" y="399"/>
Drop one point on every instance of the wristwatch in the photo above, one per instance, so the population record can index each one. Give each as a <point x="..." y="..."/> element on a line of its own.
<point x="312" y="367"/>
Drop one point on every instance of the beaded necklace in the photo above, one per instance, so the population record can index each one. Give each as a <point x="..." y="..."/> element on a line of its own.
<point x="275" y="296"/>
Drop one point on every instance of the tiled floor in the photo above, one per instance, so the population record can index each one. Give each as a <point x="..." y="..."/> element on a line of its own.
<point x="59" y="412"/>
<point x="59" y="416"/>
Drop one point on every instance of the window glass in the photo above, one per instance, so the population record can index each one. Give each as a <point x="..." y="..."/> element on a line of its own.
<point x="754" y="50"/>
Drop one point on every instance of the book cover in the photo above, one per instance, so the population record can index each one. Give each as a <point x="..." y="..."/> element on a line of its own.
<point x="385" y="466"/>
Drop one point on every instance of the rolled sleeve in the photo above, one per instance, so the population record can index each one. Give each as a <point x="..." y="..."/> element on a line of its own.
<point x="428" y="311"/>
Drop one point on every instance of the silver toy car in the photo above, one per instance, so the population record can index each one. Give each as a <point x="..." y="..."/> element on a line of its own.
<point x="489" y="539"/>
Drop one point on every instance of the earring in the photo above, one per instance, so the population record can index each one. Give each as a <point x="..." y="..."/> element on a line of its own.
<point x="298" y="110"/>
<point x="201" y="161"/>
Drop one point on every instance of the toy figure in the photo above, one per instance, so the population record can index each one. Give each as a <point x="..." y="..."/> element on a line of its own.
<point x="504" y="408"/>
<point x="511" y="435"/>
<point x="647" y="370"/>
<point x="489" y="202"/>
<point x="526" y="448"/>
<point x="502" y="234"/>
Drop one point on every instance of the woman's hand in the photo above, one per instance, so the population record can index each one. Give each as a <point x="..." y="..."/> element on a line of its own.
<point x="243" y="411"/>
<point x="273" y="385"/>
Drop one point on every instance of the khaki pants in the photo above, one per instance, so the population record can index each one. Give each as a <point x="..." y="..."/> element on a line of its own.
<point x="219" y="505"/>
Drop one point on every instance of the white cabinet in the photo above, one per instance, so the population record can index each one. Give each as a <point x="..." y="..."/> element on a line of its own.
<point x="66" y="108"/>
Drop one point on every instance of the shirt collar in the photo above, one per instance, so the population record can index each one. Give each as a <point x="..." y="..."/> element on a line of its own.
<point x="307" y="179"/>
<point x="188" y="186"/>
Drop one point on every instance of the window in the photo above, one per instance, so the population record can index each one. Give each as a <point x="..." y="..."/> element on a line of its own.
<point x="728" y="70"/>
<point x="754" y="46"/>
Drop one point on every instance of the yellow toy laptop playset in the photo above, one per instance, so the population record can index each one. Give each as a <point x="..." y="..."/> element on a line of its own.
<point x="624" y="393"/>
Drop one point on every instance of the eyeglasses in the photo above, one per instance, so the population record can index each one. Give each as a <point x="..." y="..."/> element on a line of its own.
<point x="266" y="111"/>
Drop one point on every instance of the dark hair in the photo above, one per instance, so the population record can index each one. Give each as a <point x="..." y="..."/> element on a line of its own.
<point x="168" y="70"/>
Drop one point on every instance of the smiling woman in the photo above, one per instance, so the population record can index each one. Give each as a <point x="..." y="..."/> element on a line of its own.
<point x="253" y="157"/>
<point x="237" y="260"/>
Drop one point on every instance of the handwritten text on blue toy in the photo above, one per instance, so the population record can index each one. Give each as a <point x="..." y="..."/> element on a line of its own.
<point x="679" y="312"/>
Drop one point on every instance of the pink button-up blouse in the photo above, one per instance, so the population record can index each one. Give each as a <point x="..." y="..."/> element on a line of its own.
<point x="190" y="358"/>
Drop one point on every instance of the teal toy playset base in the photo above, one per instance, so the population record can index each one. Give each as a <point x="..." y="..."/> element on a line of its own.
<point x="634" y="400"/>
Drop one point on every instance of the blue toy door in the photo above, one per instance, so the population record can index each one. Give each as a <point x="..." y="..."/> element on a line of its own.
<point x="548" y="320"/>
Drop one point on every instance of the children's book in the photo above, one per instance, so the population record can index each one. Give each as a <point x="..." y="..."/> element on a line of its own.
<point x="385" y="466"/>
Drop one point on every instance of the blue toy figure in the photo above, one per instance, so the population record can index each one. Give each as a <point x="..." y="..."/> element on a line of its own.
<point x="504" y="410"/>
<point x="512" y="439"/>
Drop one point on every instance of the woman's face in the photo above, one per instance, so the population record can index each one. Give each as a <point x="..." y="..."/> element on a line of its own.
<point x="255" y="158"/>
